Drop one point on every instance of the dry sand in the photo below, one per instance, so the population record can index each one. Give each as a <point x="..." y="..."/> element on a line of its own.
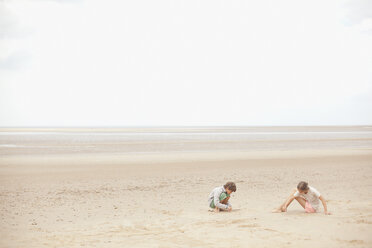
<point x="161" y="201"/>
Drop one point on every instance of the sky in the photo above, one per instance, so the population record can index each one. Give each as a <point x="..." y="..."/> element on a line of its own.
<point x="185" y="62"/>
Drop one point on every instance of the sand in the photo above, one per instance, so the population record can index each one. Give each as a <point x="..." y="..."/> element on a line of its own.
<point x="87" y="200"/>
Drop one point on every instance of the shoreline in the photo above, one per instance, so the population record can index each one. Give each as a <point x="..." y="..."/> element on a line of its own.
<point x="177" y="129"/>
<point x="173" y="157"/>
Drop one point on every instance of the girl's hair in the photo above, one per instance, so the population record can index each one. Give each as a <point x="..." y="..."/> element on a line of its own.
<point x="231" y="186"/>
<point x="303" y="186"/>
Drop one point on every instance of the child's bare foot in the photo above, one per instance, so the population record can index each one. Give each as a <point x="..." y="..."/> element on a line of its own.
<point x="216" y="210"/>
<point x="276" y="210"/>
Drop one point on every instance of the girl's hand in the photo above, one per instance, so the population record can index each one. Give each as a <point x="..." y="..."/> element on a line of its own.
<point x="229" y="209"/>
<point x="327" y="213"/>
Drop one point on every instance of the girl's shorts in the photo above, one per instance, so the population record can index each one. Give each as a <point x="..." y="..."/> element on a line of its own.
<point x="309" y="208"/>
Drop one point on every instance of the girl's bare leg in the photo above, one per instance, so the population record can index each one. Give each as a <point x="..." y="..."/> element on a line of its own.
<point x="302" y="201"/>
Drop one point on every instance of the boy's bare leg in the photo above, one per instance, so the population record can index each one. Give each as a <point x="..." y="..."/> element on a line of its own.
<point x="226" y="200"/>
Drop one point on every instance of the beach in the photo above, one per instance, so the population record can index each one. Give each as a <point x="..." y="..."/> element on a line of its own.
<point x="149" y="187"/>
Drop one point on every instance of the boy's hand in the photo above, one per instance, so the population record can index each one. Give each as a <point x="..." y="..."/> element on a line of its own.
<point x="229" y="209"/>
<point x="216" y="210"/>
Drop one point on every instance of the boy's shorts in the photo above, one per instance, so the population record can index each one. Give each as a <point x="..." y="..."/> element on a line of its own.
<point x="223" y="196"/>
<point x="309" y="208"/>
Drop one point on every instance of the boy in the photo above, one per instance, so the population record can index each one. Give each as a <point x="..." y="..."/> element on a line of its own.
<point x="307" y="196"/>
<point x="219" y="197"/>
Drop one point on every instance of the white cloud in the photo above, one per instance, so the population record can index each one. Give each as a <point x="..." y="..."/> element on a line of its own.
<point x="186" y="63"/>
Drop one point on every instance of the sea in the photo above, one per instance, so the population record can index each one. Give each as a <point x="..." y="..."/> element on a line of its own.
<point x="137" y="140"/>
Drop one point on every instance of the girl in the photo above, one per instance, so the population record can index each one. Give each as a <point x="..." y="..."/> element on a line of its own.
<point x="307" y="196"/>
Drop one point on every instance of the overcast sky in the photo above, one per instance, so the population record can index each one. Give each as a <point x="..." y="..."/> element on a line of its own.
<point x="191" y="62"/>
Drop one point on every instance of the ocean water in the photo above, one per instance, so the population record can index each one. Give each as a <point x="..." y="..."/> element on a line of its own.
<point x="153" y="140"/>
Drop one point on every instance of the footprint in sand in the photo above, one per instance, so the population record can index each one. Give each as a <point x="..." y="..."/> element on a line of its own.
<point x="354" y="241"/>
<point x="249" y="225"/>
<point x="363" y="221"/>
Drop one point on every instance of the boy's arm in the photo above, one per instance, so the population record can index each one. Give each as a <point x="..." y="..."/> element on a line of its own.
<point x="229" y="207"/>
<point x="216" y="200"/>
<point x="324" y="204"/>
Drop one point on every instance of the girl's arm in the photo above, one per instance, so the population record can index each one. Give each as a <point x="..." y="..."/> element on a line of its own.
<point x="324" y="204"/>
<point x="286" y="204"/>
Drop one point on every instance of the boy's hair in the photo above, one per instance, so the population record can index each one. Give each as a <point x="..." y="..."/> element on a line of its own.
<point x="303" y="186"/>
<point x="231" y="186"/>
